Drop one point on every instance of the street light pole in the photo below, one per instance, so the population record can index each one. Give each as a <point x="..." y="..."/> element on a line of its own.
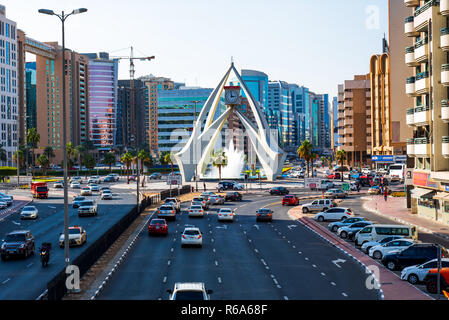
<point x="195" y="148"/>
<point x="63" y="18"/>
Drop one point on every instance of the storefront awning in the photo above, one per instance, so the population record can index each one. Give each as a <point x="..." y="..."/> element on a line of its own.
<point x="440" y="195"/>
<point x="422" y="193"/>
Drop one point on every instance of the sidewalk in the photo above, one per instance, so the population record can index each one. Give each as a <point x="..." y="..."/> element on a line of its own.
<point x="396" y="209"/>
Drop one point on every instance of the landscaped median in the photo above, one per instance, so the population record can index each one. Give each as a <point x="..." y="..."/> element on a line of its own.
<point x="392" y="287"/>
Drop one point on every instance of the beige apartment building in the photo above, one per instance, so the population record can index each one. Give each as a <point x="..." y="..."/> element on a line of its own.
<point x="427" y="56"/>
<point x="354" y="120"/>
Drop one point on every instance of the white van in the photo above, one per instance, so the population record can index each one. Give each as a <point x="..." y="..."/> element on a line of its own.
<point x="397" y="172"/>
<point x="378" y="232"/>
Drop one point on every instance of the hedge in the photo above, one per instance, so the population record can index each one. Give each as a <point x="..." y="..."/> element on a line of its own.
<point x="8" y="171"/>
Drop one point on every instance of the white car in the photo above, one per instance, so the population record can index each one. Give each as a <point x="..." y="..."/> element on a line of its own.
<point x="196" y="211"/>
<point x="106" y="195"/>
<point x="225" y="214"/>
<point x="368" y="245"/>
<point x="58" y="184"/>
<point x="189" y="291"/>
<point x="88" y="207"/>
<point x="86" y="191"/>
<point x="176" y="203"/>
<point x="77" y="236"/>
<point x="318" y="205"/>
<point x="75" y="185"/>
<point x="216" y="199"/>
<point x="416" y="274"/>
<point x="94" y="187"/>
<point x="337" y="213"/>
<point x="192" y="236"/>
<point x="379" y="251"/>
<point x="29" y="212"/>
<point x="93" y="180"/>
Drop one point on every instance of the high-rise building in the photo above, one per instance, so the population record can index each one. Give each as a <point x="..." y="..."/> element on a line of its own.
<point x="257" y="83"/>
<point x="103" y="78"/>
<point x="354" y="120"/>
<point x="334" y="124"/>
<point x="280" y="113"/>
<point x="300" y="106"/>
<point x="8" y="87"/>
<point x="30" y="95"/>
<point x="427" y="56"/>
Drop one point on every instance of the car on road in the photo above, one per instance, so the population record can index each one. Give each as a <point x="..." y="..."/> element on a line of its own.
<point x="6" y="198"/>
<point x="416" y="274"/>
<point x="94" y="187"/>
<point x="349" y="231"/>
<point x="290" y="200"/>
<point x="264" y="214"/>
<point x="189" y="291"/>
<point x="158" y="226"/>
<point x="339" y="214"/>
<point x="335" y="194"/>
<point x="106" y="195"/>
<point x="86" y="191"/>
<point x="75" y="185"/>
<point x="204" y="203"/>
<point x="369" y="244"/>
<point x="413" y="255"/>
<point x="216" y="199"/>
<point x="280" y="191"/>
<point x="196" y="211"/>
<point x="77" y="179"/>
<point x="233" y="196"/>
<point x="229" y="185"/>
<point x="77" y="237"/>
<point x="334" y="226"/>
<point x="107" y="189"/>
<point x="192" y="236"/>
<point x="225" y="214"/>
<point x="17" y="243"/>
<point x="88" y="208"/>
<point x="176" y="203"/>
<point x="93" y="180"/>
<point x="114" y="176"/>
<point x="318" y="205"/>
<point x="58" y="184"/>
<point x="77" y="201"/>
<point x="109" y="179"/>
<point x="374" y="190"/>
<point x="3" y="204"/>
<point x="207" y="194"/>
<point x="377" y="252"/>
<point x="167" y="211"/>
<point x="155" y="176"/>
<point x="29" y="212"/>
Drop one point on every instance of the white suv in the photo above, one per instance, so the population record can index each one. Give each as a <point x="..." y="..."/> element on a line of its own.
<point x="189" y="291"/>
<point x="318" y="205"/>
<point x="334" y="214"/>
<point x="88" y="207"/>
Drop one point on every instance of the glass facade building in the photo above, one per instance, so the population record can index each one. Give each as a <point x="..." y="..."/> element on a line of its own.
<point x="30" y="84"/>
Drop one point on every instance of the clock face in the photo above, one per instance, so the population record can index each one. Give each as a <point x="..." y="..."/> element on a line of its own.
<point x="231" y="97"/>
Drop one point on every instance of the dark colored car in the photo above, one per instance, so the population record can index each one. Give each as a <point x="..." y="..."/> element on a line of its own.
<point x="279" y="191"/>
<point x="158" y="226"/>
<point x="233" y="196"/>
<point x="290" y="200"/>
<point x="225" y="185"/>
<point x="413" y="255"/>
<point x="264" y="214"/>
<point x="17" y="243"/>
<point x="109" y="179"/>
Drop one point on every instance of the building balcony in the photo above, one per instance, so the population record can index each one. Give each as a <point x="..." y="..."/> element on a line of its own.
<point x="410" y="86"/>
<point x="422" y="83"/>
<point x="411" y="117"/>
<point x="445" y="147"/>
<point x="409" y="27"/>
<point x="444" y="7"/>
<point x="349" y="122"/>
<point x="445" y="111"/>
<point x="445" y="75"/>
<point x="422" y="147"/>
<point x="421" y="49"/>
<point x="444" y="39"/>
<point x="423" y="14"/>
<point x="349" y="131"/>
<point x="410" y="57"/>
<point x="411" y="3"/>
<point x="410" y="147"/>
<point x="349" y="94"/>
<point x="422" y="115"/>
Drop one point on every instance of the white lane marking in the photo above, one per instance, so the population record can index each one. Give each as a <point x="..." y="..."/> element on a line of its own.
<point x="212" y="240"/>
<point x="52" y="207"/>
<point x="344" y="294"/>
<point x="294" y="247"/>
<point x="314" y="265"/>
<point x="299" y="252"/>
<point x="272" y="275"/>
<point x="323" y="274"/>
<point x="30" y="264"/>
<point x="165" y="280"/>
<point x="285" y="298"/>
<point x="168" y="262"/>
<point x="275" y="281"/>
<point x="257" y="251"/>
<point x="219" y="280"/>
<point x="333" y="283"/>
<point x="263" y="261"/>
<point x="216" y="263"/>
<point x="279" y="286"/>
<point x="171" y="249"/>
<point x="4" y="282"/>
<point x="307" y="259"/>
<point x="16" y="223"/>
<point x="250" y="240"/>
<point x="213" y="249"/>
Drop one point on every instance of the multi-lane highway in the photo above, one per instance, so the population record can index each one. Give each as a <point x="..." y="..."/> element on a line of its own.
<point x="243" y="260"/>
<point x="25" y="278"/>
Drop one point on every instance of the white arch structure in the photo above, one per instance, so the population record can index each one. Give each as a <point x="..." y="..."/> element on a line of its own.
<point x="195" y="155"/>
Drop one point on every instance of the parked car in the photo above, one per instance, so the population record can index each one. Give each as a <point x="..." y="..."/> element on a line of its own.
<point x="17" y="243"/>
<point x="432" y="278"/>
<point x="339" y="214"/>
<point x="279" y="191"/>
<point x="155" y="176"/>
<point x="416" y="274"/>
<point x="3" y="204"/>
<point x="233" y="196"/>
<point x="290" y="200"/>
<point x="350" y="230"/>
<point x="29" y="212"/>
<point x="335" y="194"/>
<point x="413" y="255"/>
<point x="158" y="226"/>
<point x="318" y="205"/>
<point x="189" y="291"/>
<point x="369" y="244"/>
<point x="264" y="214"/>
<point x="334" y="226"/>
<point x="378" y="232"/>
<point x="379" y="251"/>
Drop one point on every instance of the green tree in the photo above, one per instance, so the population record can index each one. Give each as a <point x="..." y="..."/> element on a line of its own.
<point x="20" y="153"/>
<point x="168" y="158"/>
<point x="341" y="158"/>
<point x="33" y="138"/>
<point x="305" y="152"/>
<point x="109" y="160"/>
<point x="70" y="153"/>
<point x="49" y="152"/>
<point x="127" y="159"/>
<point x="44" y="163"/>
<point x="219" y="160"/>
<point x="162" y="158"/>
<point x="89" y="162"/>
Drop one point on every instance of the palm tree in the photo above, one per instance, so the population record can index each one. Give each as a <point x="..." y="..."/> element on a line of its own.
<point x="144" y="157"/>
<point x="33" y="138"/>
<point x="89" y="162"/>
<point x="44" y="163"/>
<point x="127" y="158"/>
<point x="168" y="158"/>
<point x="77" y="153"/>
<point x="70" y="153"/>
<point x="21" y="155"/>
<point x="49" y="152"/>
<point x="109" y="160"/>
<point x="219" y="160"/>
<point x="341" y="158"/>
<point x="305" y="152"/>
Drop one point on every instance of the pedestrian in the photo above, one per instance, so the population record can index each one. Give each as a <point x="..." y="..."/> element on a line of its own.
<point x="358" y="187"/>
<point x="386" y="194"/>
<point x="204" y="185"/>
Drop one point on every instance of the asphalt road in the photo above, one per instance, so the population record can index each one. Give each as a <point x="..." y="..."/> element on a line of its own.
<point x="25" y="278"/>
<point x="243" y="260"/>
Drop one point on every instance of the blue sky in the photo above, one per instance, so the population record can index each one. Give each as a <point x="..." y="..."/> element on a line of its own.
<point x="313" y="43"/>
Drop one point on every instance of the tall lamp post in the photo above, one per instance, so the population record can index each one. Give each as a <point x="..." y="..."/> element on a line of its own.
<point x="195" y="150"/>
<point x="63" y="17"/>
